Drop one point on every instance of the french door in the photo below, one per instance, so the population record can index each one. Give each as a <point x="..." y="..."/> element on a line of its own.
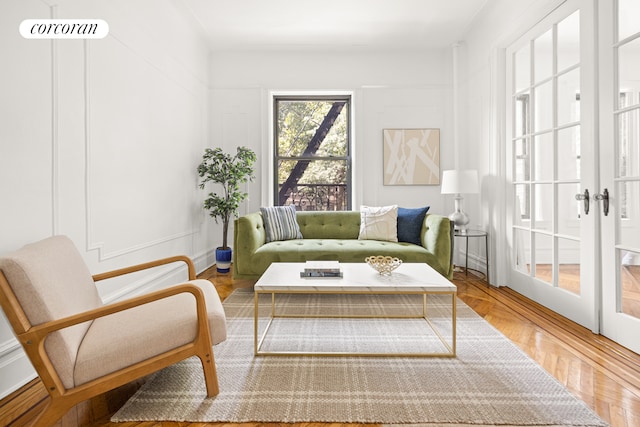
<point x="573" y="173"/>
<point x="551" y="171"/>
<point x="619" y="23"/>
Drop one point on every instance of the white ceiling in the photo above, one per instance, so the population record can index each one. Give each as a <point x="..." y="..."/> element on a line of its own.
<point x="333" y="24"/>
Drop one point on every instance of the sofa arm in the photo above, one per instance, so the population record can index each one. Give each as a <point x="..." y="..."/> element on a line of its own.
<point x="248" y="236"/>
<point x="437" y="238"/>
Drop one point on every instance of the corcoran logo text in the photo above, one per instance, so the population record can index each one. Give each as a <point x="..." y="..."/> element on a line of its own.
<point x="64" y="28"/>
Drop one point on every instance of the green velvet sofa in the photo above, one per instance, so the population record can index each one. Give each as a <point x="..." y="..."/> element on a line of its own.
<point x="334" y="236"/>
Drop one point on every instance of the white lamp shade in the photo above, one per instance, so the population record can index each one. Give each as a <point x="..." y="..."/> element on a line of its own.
<point x="459" y="182"/>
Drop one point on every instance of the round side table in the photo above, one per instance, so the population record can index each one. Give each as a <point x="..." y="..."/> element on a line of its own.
<point x="467" y="234"/>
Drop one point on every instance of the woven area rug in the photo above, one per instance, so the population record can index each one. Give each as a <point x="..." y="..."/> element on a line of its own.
<point x="490" y="382"/>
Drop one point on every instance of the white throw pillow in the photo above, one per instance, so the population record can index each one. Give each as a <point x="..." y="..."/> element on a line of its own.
<point x="379" y="223"/>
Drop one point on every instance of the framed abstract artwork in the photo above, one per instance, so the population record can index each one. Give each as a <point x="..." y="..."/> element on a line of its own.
<point x="411" y="156"/>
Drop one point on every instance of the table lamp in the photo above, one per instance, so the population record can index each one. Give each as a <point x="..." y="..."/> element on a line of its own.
<point x="459" y="182"/>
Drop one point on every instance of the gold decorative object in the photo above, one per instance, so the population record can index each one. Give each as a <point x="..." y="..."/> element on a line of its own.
<point x="383" y="264"/>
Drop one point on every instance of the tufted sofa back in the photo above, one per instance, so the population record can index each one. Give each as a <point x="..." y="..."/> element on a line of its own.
<point x="329" y="225"/>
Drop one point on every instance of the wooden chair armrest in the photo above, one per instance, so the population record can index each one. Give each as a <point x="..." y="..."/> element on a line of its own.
<point x="38" y="333"/>
<point x="146" y="265"/>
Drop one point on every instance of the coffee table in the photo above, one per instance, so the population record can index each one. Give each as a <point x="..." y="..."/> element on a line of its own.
<point x="358" y="278"/>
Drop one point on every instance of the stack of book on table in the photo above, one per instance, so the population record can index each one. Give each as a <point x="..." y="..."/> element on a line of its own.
<point x="321" y="269"/>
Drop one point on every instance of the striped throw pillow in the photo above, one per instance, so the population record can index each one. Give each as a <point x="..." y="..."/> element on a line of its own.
<point x="280" y="223"/>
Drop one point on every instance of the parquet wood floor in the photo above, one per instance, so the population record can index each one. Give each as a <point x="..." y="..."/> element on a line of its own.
<point x="603" y="374"/>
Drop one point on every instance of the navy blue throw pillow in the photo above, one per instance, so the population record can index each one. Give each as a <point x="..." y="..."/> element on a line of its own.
<point x="410" y="224"/>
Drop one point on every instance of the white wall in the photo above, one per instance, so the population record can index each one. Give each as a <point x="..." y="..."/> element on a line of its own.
<point x="100" y="139"/>
<point x="391" y="90"/>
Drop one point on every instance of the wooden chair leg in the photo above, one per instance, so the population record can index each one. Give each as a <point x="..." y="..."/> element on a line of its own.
<point x="210" y="374"/>
<point x="53" y="411"/>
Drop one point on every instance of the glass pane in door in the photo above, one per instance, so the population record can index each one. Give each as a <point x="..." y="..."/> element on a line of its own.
<point x="522" y="66"/>
<point x="629" y="217"/>
<point x="522" y="166"/>
<point x="630" y="280"/>
<point x="628" y="22"/>
<point x="569" y="152"/>
<point x="522" y="203"/>
<point x="544" y="207"/>
<point x="628" y="144"/>
<point x="628" y="70"/>
<point x="569" y="265"/>
<point x="543" y="57"/>
<point x="543" y="257"/>
<point x="568" y="210"/>
<point x="521" y="119"/>
<point x="544" y="157"/>
<point x="522" y="243"/>
<point x="569" y="97"/>
<point x="569" y="41"/>
<point x="543" y="107"/>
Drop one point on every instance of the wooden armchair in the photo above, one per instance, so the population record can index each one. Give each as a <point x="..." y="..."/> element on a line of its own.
<point x="80" y="347"/>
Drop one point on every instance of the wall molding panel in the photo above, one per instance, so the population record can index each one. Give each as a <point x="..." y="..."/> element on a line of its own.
<point x="110" y="248"/>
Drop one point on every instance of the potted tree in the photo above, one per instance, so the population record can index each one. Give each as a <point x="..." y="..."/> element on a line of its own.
<point x="228" y="171"/>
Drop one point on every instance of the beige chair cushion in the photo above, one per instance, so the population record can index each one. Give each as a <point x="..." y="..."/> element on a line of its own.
<point x="51" y="281"/>
<point x="120" y="340"/>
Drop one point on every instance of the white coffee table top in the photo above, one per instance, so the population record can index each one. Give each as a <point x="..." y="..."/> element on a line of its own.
<point x="357" y="277"/>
